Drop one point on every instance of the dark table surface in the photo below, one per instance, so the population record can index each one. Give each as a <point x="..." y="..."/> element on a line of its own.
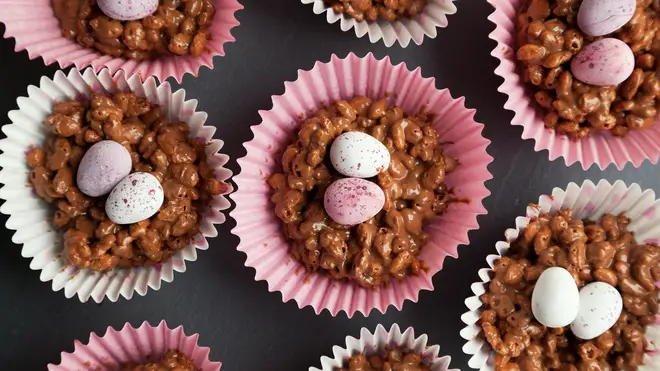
<point x="247" y="327"/>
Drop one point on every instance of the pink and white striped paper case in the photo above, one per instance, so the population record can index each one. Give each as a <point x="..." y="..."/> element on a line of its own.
<point x="381" y="339"/>
<point x="31" y="217"/>
<point x="34" y="26"/>
<point x="588" y="201"/>
<point x="134" y="345"/>
<point x="602" y="149"/>
<point x="344" y="78"/>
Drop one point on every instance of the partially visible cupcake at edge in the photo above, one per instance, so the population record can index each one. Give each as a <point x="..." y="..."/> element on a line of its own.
<point x="356" y="188"/>
<point x="572" y="295"/>
<point x="138" y="29"/>
<point x="385" y="350"/>
<point x="152" y="348"/>
<point x="385" y="360"/>
<point x="591" y="65"/>
<point x="392" y="21"/>
<point x="372" y="10"/>
<point x="127" y="185"/>
<point x="171" y="361"/>
<point x="159" y="38"/>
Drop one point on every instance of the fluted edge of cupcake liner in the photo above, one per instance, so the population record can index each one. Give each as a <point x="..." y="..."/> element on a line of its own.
<point x="30" y="216"/>
<point x="343" y="78"/>
<point x="588" y="201"/>
<point x="402" y="31"/>
<point x="602" y="149"/>
<point x="33" y="25"/>
<point x="134" y="345"/>
<point x="380" y="340"/>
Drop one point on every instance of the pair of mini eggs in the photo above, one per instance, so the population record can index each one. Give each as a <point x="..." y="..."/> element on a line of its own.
<point x="354" y="200"/>
<point x="608" y="61"/>
<point x="591" y="311"/>
<point x="105" y="168"/>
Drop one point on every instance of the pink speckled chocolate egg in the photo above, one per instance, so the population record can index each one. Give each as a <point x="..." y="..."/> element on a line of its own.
<point x="605" y="62"/>
<point x="602" y="17"/>
<point x="137" y="197"/>
<point x="102" y="167"/>
<point x="127" y="10"/>
<point x="351" y="201"/>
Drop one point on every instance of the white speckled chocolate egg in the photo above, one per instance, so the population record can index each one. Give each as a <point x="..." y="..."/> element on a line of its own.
<point x="555" y="300"/>
<point x="605" y="62"/>
<point x="136" y="198"/>
<point x="600" y="307"/>
<point x="102" y="167"/>
<point x="359" y="155"/>
<point x="351" y="201"/>
<point x="128" y="10"/>
<point x="602" y="17"/>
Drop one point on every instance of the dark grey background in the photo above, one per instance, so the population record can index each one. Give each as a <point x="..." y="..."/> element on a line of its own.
<point x="247" y="327"/>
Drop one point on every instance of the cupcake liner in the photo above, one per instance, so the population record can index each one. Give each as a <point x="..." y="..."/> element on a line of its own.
<point x="34" y="26"/>
<point x="134" y="345"/>
<point x="589" y="201"/>
<point x="369" y="343"/>
<point x="259" y="228"/>
<point x="601" y="149"/>
<point x="402" y="31"/>
<point x="30" y="216"/>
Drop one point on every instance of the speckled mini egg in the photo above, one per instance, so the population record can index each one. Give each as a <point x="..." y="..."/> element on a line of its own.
<point x="600" y="307"/>
<point x="605" y="62"/>
<point x="128" y="10"/>
<point x="359" y="155"/>
<point x="135" y="198"/>
<point x="555" y="299"/>
<point x="351" y="201"/>
<point x="102" y="167"/>
<point x="602" y="17"/>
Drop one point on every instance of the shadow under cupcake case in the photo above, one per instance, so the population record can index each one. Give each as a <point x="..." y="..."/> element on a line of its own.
<point x="337" y="83"/>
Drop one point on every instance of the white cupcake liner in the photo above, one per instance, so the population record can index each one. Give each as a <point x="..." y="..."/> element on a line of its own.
<point x="402" y="31"/>
<point x="589" y="201"/>
<point x="30" y="216"/>
<point x="369" y="343"/>
<point x="134" y="345"/>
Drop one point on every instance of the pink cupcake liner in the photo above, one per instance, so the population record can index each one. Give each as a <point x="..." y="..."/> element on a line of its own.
<point x="369" y="343"/>
<point x="601" y="149"/>
<point x="402" y="31"/>
<point x="133" y="345"/>
<point x="260" y="230"/>
<point x="589" y="201"/>
<point x="30" y="216"/>
<point x="34" y="26"/>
